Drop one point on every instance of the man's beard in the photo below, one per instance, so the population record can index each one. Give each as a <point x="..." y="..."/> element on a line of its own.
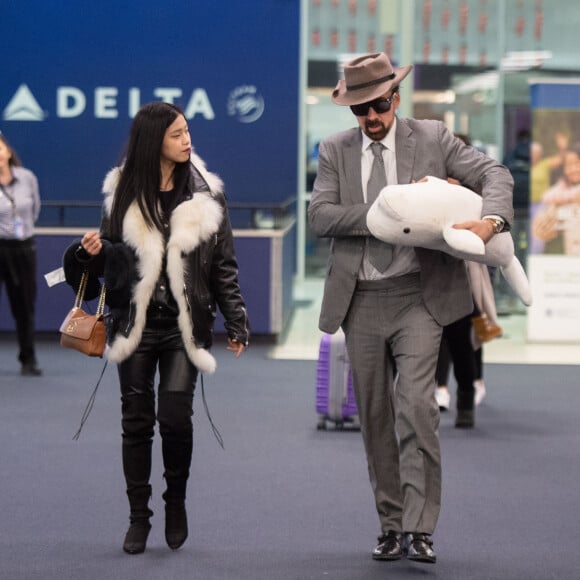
<point x="376" y="135"/>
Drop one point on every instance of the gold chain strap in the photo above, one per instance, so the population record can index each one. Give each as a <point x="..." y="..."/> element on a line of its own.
<point x="81" y="294"/>
<point x="81" y="291"/>
<point x="101" y="306"/>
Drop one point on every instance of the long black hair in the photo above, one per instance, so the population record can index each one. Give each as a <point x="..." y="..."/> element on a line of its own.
<point x="141" y="172"/>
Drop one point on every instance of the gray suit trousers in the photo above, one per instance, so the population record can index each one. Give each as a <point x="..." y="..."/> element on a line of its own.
<point x="388" y="329"/>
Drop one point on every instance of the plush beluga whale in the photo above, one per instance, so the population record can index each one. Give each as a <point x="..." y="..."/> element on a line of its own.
<point x="423" y="214"/>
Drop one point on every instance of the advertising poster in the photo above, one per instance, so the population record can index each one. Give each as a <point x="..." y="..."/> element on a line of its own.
<point x="554" y="249"/>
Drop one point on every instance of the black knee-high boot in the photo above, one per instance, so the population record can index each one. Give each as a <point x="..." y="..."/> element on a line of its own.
<point x="136" y="538"/>
<point x="174" y="413"/>
<point x="177" y="460"/>
<point x="138" y="421"/>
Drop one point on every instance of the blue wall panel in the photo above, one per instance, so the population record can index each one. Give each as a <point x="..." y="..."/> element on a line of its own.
<point x="74" y="73"/>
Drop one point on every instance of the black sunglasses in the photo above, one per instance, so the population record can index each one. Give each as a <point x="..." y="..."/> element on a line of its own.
<point x="379" y="105"/>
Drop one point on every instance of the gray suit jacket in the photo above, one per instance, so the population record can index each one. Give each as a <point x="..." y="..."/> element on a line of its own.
<point x="337" y="210"/>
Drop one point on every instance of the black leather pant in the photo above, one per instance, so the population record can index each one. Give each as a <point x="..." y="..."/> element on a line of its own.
<point x="161" y="349"/>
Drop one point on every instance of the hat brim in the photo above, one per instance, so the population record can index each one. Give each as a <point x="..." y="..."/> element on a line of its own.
<point x="342" y="96"/>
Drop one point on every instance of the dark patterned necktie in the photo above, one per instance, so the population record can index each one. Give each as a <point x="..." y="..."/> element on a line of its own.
<point x="380" y="254"/>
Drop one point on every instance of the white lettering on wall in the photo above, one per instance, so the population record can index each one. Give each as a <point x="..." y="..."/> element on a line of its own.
<point x="70" y="102"/>
<point x="134" y="101"/>
<point x="199" y="103"/>
<point x="106" y="102"/>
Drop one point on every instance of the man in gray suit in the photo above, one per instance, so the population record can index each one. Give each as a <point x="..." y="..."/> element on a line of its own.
<point x="392" y="302"/>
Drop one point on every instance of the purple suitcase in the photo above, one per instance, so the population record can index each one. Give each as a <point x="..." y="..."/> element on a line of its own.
<point x="335" y="402"/>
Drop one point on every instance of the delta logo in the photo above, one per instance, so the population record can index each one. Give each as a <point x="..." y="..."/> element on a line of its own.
<point x="23" y="107"/>
<point x="245" y="103"/>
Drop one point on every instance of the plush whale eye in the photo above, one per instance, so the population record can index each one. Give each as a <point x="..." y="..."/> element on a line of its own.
<point x="407" y="230"/>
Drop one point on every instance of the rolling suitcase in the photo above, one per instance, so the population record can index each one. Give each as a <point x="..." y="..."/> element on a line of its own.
<point x="335" y="402"/>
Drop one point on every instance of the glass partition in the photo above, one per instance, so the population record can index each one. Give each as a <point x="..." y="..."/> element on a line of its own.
<point x="473" y="60"/>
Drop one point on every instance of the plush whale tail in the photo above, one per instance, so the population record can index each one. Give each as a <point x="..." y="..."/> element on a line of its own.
<point x="516" y="277"/>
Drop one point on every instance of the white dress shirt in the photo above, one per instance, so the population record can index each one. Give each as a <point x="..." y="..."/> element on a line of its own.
<point x="404" y="258"/>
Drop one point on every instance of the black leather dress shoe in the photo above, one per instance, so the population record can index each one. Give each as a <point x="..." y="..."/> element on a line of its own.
<point x="390" y="547"/>
<point x="465" y="419"/>
<point x="419" y="548"/>
<point x="30" y="370"/>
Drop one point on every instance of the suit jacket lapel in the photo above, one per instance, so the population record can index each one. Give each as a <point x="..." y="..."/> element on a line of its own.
<point x="352" y="166"/>
<point x="405" y="145"/>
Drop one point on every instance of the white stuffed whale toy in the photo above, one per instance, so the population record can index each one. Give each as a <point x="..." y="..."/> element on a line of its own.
<point x="423" y="214"/>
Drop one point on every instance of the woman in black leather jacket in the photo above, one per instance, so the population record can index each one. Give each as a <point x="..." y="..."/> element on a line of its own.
<point x="165" y="251"/>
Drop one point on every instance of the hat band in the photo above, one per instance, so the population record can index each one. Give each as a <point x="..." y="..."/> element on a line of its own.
<point x="370" y="83"/>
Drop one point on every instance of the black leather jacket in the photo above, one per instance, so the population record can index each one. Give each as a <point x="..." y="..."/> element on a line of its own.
<point x="201" y="268"/>
<point x="210" y="281"/>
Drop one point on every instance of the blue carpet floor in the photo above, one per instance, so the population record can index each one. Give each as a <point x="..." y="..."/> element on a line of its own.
<point x="283" y="501"/>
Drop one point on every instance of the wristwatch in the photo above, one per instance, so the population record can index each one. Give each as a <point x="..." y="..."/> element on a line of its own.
<point x="496" y="223"/>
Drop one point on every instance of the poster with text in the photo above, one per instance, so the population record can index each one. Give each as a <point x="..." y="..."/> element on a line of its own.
<point x="554" y="248"/>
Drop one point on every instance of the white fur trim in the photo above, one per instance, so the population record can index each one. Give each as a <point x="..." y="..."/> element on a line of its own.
<point x="192" y="223"/>
<point x="109" y="186"/>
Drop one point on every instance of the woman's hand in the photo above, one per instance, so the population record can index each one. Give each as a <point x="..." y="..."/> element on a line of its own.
<point x="91" y="243"/>
<point x="236" y="347"/>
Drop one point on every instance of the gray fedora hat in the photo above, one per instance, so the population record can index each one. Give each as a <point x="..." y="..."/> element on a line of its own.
<point x="366" y="78"/>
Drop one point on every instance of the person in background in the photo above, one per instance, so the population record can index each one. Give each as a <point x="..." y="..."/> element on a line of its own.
<point x="392" y="302"/>
<point x="19" y="210"/>
<point x="166" y="253"/>
<point x="557" y="222"/>
<point x="518" y="162"/>
<point x="461" y="343"/>
<point x="543" y="169"/>
<point x="483" y="326"/>
<point x="486" y="325"/>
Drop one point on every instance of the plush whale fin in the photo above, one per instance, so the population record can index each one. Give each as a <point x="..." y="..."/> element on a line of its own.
<point x="464" y="241"/>
<point x="516" y="277"/>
